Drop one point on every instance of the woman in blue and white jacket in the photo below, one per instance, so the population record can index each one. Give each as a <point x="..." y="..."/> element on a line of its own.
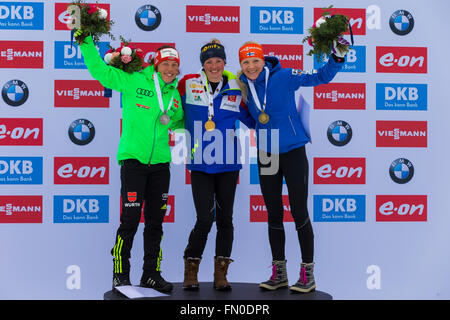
<point x="211" y="100"/>
<point x="269" y="92"/>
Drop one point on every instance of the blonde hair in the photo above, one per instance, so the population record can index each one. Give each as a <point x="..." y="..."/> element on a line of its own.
<point x="242" y="85"/>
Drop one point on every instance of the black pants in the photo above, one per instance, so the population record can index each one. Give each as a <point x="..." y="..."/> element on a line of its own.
<point x="213" y="199"/>
<point x="293" y="166"/>
<point x="149" y="183"/>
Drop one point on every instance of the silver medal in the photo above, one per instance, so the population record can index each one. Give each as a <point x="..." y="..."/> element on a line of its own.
<point x="164" y="119"/>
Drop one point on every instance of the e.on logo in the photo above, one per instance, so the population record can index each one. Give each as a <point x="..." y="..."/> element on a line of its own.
<point x="339" y="170"/>
<point x="169" y="217"/>
<point x="258" y="210"/>
<point x="220" y="19"/>
<point x="81" y="170"/>
<point x="21" y="132"/>
<point x="401" y="59"/>
<point x="401" y="208"/>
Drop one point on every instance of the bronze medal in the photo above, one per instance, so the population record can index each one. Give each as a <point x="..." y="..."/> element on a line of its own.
<point x="263" y="117"/>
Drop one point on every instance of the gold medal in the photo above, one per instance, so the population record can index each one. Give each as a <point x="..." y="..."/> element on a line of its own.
<point x="210" y="125"/>
<point x="263" y="117"/>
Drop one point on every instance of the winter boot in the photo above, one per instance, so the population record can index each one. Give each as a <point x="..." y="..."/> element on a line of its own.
<point x="306" y="282"/>
<point x="157" y="282"/>
<point x="190" y="273"/>
<point x="278" y="278"/>
<point x="220" y="273"/>
<point x="120" y="279"/>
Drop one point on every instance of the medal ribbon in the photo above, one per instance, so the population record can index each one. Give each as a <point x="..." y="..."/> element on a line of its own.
<point x="210" y="95"/>
<point x="159" y="95"/>
<point x="255" y="96"/>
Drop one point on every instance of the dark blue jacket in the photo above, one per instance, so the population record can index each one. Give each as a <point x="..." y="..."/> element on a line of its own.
<point x="214" y="151"/>
<point x="281" y="104"/>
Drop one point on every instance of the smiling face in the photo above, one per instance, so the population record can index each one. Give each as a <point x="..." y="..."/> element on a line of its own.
<point x="252" y="67"/>
<point x="168" y="70"/>
<point x="214" y="68"/>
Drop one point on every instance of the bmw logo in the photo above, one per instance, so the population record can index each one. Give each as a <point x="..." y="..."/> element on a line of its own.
<point x="15" y="93"/>
<point x="81" y="132"/>
<point x="401" y="22"/>
<point x="339" y="133"/>
<point x="148" y="18"/>
<point x="401" y="170"/>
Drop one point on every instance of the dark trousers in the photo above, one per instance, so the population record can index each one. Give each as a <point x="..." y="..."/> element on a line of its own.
<point x="293" y="166"/>
<point x="149" y="183"/>
<point x="213" y="199"/>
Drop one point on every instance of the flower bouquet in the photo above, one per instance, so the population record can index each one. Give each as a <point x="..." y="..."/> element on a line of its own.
<point x="326" y="35"/>
<point x="126" y="57"/>
<point x="89" y="19"/>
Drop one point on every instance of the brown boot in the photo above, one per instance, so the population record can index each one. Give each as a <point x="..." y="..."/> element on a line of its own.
<point x="220" y="273"/>
<point x="190" y="273"/>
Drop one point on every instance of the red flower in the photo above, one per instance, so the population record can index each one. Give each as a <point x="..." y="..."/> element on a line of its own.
<point x="92" y="8"/>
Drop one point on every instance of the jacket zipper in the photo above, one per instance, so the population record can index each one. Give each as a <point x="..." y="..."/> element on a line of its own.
<point x="292" y="125"/>
<point x="154" y="129"/>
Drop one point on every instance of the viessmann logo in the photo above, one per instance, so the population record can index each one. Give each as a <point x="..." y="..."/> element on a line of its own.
<point x="401" y="208"/>
<point x="221" y="19"/>
<point x="401" y="59"/>
<point x="290" y="55"/>
<point x="357" y="18"/>
<point x="81" y="170"/>
<point x="344" y="96"/>
<point x="258" y="210"/>
<point x="339" y="170"/>
<point x="21" y="209"/>
<point x="402" y="134"/>
<point x="21" y="131"/>
<point x="80" y="94"/>
<point x="22" y="54"/>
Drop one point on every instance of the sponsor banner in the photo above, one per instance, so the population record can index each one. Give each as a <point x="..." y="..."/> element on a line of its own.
<point x="22" y="15"/>
<point x="22" y="54"/>
<point x="339" y="170"/>
<point x="357" y="18"/>
<point x="21" y="131"/>
<point x="339" y="208"/>
<point x="258" y="210"/>
<point x="15" y="93"/>
<point x="290" y="55"/>
<point x="68" y="56"/>
<point x="80" y="209"/>
<point x="276" y="20"/>
<point x="21" y="209"/>
<point x="62" y="16"/>
<point x="216" y="19"/>
<point x="21" y="170"/>
<point x="401" y="208"/>
<point x="402" y="134"/>
<point x="343" y="96"/>
<point x="169" y="216"/>
<point x="401" y="96"/>
<point x="81" y="170"/>
<point x="401" y="59"/>
<point x="149" y="49"/>
<point x="355" y="60"/>
<point x="79" y="94"/>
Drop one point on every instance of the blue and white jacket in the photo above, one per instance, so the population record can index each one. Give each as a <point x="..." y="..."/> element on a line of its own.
<point x="281" y="104"/>
<point x="214" y="151"/>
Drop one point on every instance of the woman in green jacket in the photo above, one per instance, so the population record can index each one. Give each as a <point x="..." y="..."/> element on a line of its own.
<point x="151" y="106"/>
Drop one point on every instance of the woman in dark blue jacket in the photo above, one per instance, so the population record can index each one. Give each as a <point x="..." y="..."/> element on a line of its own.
<point x="269" y="92"/>
<point x="212" y="103"/>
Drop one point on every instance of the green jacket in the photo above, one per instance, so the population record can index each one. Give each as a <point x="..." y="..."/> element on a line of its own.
<point x="143" y="137"/>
